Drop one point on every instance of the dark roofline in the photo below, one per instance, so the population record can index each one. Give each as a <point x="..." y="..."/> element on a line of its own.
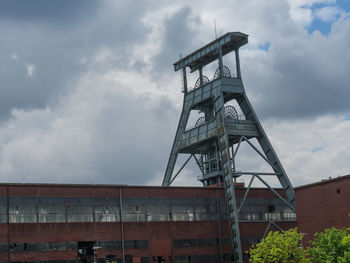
<point x="339" y="178"/>
<point x="118" y="185"/>
<point x="325" y="181"/>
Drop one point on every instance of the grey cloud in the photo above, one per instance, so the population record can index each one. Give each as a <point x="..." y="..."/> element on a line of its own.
<point x="134" y="152"/>
<point x="104" y="131"/>
<point x="303" y="76"/>
<point x="54" y="11"/>
<point x="101" y="133"/>
<point x="56" y="52"/>
<point x="178" y="38"/>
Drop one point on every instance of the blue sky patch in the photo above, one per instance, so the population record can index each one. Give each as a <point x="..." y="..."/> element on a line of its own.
<point x="317" y="149"/>
<point x="325" y="26"/>
<point x="265" y="47"/>
<point x="319" y="25"/>
<point x="345" y="4"/>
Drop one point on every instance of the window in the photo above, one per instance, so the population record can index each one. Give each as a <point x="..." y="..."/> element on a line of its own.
<point x="46" y="246"/>
<point x="198" y="258"/>
<point x="195" y="242"/>
<point x="107" y="213"/>
<point x="3" y="205"/>
<point x="136" y="244"/>
<point x="109" y="244"/>
<point x="52" y="218"/>
<point x="3" y="247"/>
<point x="135" y="209"/>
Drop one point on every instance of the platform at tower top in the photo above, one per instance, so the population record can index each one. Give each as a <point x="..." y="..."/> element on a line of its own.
<point x="208" y="53"/>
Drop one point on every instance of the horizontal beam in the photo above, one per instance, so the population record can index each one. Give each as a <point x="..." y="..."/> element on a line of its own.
<point x="252" y="173"/>
<point x="207" y="54"/>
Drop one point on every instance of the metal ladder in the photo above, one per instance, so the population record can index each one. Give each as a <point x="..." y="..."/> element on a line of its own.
<point x="226" y="164"/>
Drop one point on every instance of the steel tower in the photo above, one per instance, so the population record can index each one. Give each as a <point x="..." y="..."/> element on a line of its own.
<point x="217" y="136"/>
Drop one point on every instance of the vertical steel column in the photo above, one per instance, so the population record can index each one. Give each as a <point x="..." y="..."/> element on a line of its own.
<point x="238" y="67"/>
<point x="226" y="165"/>
<point x="233" y="162"/>
<point x="184" y="79"/>
<point x="221" y="64"/>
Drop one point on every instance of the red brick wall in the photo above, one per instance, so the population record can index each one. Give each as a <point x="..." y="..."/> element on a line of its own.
<point x="323" y="205"/>
<point x="159" y="234"/>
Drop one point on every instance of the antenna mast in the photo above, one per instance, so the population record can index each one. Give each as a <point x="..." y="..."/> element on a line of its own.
<point x="216" y="37"/>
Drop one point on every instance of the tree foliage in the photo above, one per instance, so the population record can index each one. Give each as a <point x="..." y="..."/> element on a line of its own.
<point x="279" y="247"/>
<point x="332" y="245"/>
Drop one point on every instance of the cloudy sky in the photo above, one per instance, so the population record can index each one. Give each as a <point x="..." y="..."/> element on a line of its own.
<point x="88" y="93"/>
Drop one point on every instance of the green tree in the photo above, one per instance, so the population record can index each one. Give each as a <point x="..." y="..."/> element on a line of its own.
<point x="279" y="247"/>
<point x="332" y="245"/>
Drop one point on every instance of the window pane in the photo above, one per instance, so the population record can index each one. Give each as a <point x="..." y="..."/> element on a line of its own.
<point x="107" y="209"/>
<point x="106" y="218"/>
<point x="22" y="218"/>
<point x="80" y="218"/>
<point x="79" y="209"/>
<point x="3" y="209"/>
<point x="134" y="217"/>
<point x="23" y="201"/>
<point x="158" y="217"/>
<point x="22" y="209"/>
<point x="60" y="209"/>
<point x="80" y="200"/>
<point x="52" y="200"/>
<point x="3" y="247"/>
<point x="3" y="218"/>
<point x="109" y="244"/>
<point x="52" y="218"/>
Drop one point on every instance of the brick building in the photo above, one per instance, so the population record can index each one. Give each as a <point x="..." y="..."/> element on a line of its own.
<point x="63" y="223"/>
<point x="323" y="205"/>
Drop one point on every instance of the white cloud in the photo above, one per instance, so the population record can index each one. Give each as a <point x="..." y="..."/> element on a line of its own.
<point x="106" y="130"/>
<point x="312" y="150"/>
<point x="30" y="70"/>
<point x="102" y="55"/>
<point x="301" y="10"/>
<point x="116" y="121"/>
<point x="309" y="3"/>
<point x="14" y="56"/>
<point x="302" y="15"/>
<point x="328" y="13"/>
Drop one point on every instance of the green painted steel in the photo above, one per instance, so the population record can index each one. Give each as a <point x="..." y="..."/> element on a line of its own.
<point x="211" y="142"/>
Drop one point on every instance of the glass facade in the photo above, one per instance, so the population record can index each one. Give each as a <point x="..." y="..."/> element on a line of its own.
<point x="62" y="246"/>
<point x="115" y="260"/>
<point x="136" y="244"/>
<point x="203" y="258"/>
<point x="46" y="246"/>
<point x="67" y="209"/>
<point x="87" y="209"/>
<point x="55" y="261"/>
<point x="208" y="242"/>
